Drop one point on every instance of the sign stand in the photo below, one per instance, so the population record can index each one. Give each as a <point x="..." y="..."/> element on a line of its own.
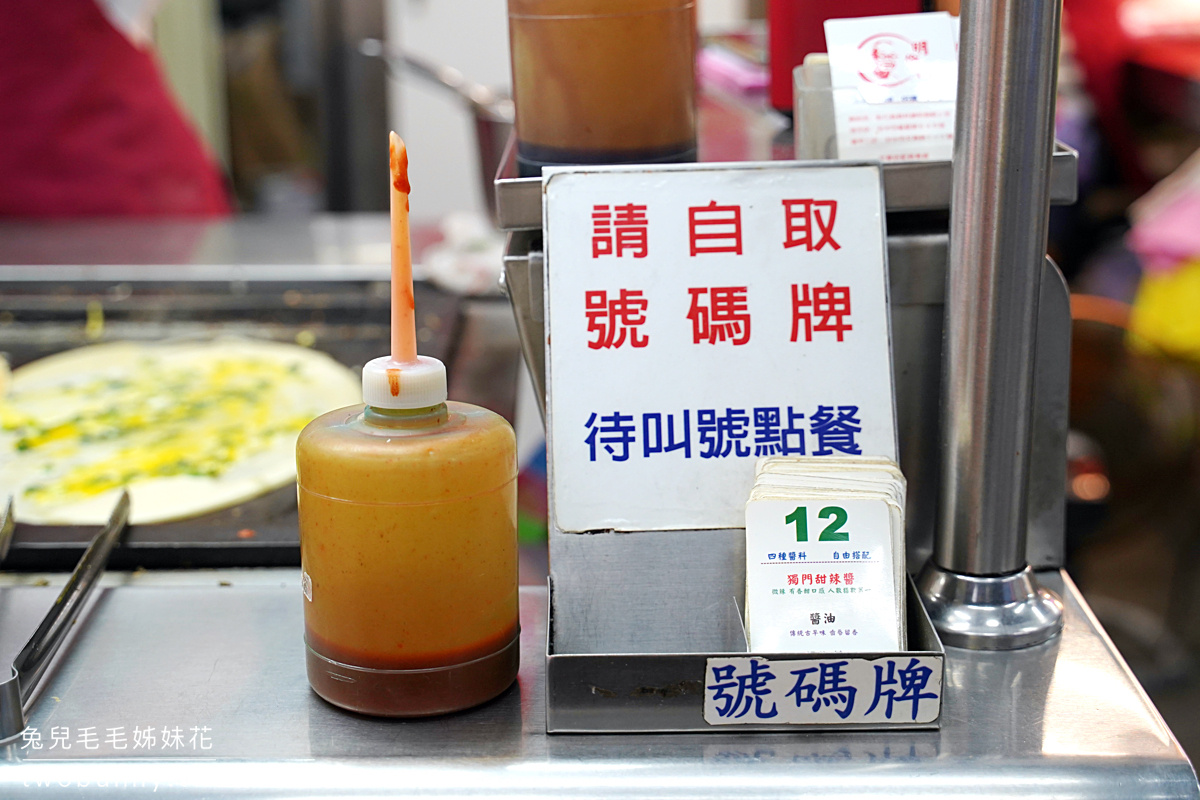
<point x="655" y="415"/>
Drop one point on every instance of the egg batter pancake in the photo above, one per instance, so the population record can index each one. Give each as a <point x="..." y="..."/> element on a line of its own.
<point x="187" y="427"/>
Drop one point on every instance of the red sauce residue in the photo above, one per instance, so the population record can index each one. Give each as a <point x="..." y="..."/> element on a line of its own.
<point x="437" y="658"/>
<point x="399" y="165"/>
<point x="394" y="382"/>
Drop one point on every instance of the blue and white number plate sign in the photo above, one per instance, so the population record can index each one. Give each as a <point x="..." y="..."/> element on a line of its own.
<point x="836" y="691"/>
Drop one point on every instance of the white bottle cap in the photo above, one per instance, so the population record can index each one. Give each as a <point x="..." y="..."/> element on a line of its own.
<point x="394" y="384"/>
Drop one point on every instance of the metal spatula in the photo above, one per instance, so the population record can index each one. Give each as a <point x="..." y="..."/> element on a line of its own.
<point x="7" y="525"/>
<point x="19" y="689"/>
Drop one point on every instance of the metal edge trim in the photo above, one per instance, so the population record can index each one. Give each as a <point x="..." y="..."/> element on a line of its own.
<point x="516" y="197"/>
<point x="558" y="720"/>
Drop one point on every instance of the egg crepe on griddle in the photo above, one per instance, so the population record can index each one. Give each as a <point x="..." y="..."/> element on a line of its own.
<point x="187" y="427"/>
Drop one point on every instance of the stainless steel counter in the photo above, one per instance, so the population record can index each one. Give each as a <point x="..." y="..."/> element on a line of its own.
<point x="321" y="247"/>
<point x="224" y="664"/>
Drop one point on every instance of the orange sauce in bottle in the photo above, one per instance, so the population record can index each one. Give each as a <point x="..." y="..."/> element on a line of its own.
<point x="409" y="555"/>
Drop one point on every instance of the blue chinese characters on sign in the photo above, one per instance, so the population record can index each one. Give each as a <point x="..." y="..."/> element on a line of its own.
<point x="911" y="681"/>
<point x="828" y="687"/>
<point x="727" y="433"/>
<point x="750" y="688"/>
<point x="822" y="691"/>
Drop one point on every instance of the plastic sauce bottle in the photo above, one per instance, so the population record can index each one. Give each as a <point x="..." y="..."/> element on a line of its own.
<point x="408" y="545"/>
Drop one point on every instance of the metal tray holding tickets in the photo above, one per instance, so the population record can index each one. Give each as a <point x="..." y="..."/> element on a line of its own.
<point x="913" y="186"/>
<point x="664" y="692"/>
<point x="348" y="319"/>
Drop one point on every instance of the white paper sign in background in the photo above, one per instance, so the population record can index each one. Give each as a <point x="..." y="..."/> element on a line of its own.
<point x="894" y="82"/>
<point x="700" y="317"/>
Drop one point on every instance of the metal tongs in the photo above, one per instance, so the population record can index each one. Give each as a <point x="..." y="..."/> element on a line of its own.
<point x="19" y="689"/>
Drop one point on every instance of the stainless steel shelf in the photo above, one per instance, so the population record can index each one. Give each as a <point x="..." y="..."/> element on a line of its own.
<point x="180" y="650"/>
<point x="915" y="186"/>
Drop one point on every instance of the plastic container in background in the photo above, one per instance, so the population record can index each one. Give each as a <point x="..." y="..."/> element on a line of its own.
<point x="603" y="81"/>
<point x="409" y="549"/>
<point x="813" y="117"/>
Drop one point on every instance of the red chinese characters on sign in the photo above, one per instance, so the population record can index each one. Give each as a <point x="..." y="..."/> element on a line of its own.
<point x="612" y="319"/>
<point x="809" y="224"/>
<point x="624" y="233"/>
<point x="719" y="313"/>
<point x="715" y="229"/>
<point x="831" y="579"/>
<point x="829" y="304"/>
<point x="623" y="230"/>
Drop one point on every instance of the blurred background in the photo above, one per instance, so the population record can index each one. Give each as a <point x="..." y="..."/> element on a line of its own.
<point x="269" y="117"/>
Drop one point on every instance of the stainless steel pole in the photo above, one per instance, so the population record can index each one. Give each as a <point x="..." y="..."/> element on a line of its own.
<point x="979" y="588"/>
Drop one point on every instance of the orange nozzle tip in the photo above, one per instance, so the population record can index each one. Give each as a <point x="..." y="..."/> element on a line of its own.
<point x="398" y="160"/>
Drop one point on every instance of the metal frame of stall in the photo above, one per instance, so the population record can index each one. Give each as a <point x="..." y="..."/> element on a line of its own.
<point x="981" y="330"/>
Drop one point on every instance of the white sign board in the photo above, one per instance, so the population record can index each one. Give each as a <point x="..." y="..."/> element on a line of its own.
<point x="821" y="577"/>
<point x="699" y="317"/>
<point x="819" y="691"/>
<point x="894" y="82"/>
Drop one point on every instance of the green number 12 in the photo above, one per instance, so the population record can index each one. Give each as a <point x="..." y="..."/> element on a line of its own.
<point x="833" y="531"/>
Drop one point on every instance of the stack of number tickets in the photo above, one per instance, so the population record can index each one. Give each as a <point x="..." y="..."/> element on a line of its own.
<point x="825" y="556"/>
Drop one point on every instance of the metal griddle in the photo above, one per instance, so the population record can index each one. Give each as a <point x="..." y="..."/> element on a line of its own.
<point x="347" y="318"/>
